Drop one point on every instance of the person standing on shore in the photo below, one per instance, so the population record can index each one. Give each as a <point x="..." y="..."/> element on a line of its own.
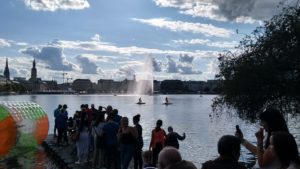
<point x="56" y="113"/>
<point x="173" y="137"/>
<point x="97" y="132"/>
<point x="108" y="110"/>
<point x="127" y="138"/>
<point x="138" y="161"/>
<point x="83" y="143"/>
<point x="117" y="117"/>
<point x="110" y="131"/>
<point x="62" y="125"/>
<point x="158" y="138"/>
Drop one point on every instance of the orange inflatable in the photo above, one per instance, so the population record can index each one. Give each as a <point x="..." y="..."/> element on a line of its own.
<point x="23" y="125"/>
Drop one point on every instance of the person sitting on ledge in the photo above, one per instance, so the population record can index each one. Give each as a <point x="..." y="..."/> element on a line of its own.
<point x="229" y="150"/>
<point x="170" y="158"/>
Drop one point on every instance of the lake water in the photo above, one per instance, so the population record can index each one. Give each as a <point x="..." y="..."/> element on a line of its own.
<point x="188" y="113"/>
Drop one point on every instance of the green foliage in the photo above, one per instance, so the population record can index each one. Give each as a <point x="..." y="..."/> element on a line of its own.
<point x="12" y="87"/>
<point x="265" y="71"/>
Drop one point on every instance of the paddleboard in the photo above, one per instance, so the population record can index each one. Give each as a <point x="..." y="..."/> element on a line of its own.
<point x="140" y="103"/>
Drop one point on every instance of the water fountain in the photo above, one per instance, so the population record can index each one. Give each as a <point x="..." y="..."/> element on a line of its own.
<point x="144" y="84"/>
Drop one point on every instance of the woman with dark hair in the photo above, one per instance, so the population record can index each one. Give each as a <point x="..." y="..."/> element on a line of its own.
<point x="83" y="143"/>
<point x="286" y="150"/>
<point x="97" y="132"/>
<point x="157" y="143"/>
<point x="138" y="161"/>
<point x="127" y="138"/>
<point x="271" y="120"/>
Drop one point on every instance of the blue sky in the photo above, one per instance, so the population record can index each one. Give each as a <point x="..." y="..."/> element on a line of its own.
<point x="99" y="39"/>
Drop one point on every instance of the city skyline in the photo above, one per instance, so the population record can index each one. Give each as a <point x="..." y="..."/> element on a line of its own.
<point x="110" y="40"/>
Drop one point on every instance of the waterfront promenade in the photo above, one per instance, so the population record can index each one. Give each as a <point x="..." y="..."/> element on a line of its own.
<point x="65" y="156"/>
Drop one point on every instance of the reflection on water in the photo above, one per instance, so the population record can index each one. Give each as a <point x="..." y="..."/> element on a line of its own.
<point x="188" y="113"/>
<point x="30" y="160"/>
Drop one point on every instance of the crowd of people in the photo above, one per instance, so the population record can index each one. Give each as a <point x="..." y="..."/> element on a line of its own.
<point x="108" y="136"/>
<point x="114" y="143"/>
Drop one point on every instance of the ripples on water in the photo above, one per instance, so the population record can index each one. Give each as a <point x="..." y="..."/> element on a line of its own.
<point x="188" y="113"/>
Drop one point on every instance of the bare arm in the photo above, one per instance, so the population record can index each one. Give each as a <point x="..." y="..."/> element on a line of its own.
<point x="151" y="142"/>
<point x="264" y="157"/>
<point x="179" y="137"/>
<point x="252" y="148"/>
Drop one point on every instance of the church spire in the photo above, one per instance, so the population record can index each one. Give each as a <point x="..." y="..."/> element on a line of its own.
<point x="33" y="72"/>
<point x="33" y="64"/>
<point x="6" y="70"/>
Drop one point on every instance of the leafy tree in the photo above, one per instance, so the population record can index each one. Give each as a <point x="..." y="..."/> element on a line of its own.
<point x="265" y="69"/>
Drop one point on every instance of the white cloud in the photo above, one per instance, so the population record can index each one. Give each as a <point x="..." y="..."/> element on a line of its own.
<point x="186" y="59"/>
<point x="9" y="43"/>
<point x="4" y="43"/>
<point x="156" y="65"/>
<point x="224" y="44"/>
<point x="51" y="55"/>
<point x="207" y="42"/>
<point x="184" y="65"/>
<point x="126" y="71"/>
<point x="96" y="38"/>
<point x="87" y="65"/>
<point x="179" y="26"/>
<point x="192" y="41"/>
<point x="53" y="5"/>
<point x="203" y="9"/>
<point x="171" y="65"/>
<point x="244" y="11"/>
<point x="131" y="50"/>
<point x="97" y="58"/>
<point x="21" y="43"/>
<point x="211" y="69"/>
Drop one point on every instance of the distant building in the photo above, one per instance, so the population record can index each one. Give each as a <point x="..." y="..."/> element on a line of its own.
<point x="105" y="85"/>
<point x="33" y="77"/>
<point x="82" y="85"/>
<point x="171" y="86"/>
<point x="194" y="86"/>
<point x="6" y="70"/>
<point x="129" y="86"/>
<point x="156" y="86"/>
<point x="50" y="85"/>
<point x="20" y="79"/>
<point x="2" y="80"/>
